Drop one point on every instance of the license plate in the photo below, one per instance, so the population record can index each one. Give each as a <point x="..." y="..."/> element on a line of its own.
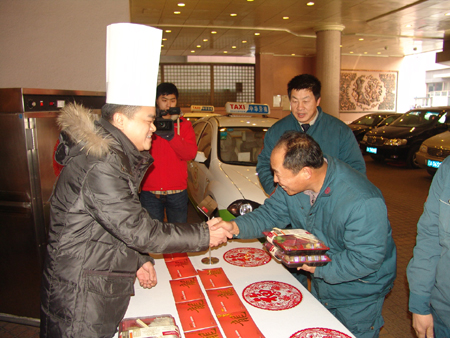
<point x="371" y="150"/>
<point x="433" y="164"/>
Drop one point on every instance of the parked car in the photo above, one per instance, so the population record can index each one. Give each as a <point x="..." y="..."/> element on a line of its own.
<point x="433" y="151"/>
<point x="401" y="140"/>
<point x="369" y="121"/>
<point x="199" y="111"/>
<point x="225" y="165"/>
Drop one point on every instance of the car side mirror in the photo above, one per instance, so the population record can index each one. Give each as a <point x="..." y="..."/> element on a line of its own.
<point x="200" y="157"/>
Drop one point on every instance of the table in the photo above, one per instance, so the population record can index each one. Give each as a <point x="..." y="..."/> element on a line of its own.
<point x="309" y="313"/>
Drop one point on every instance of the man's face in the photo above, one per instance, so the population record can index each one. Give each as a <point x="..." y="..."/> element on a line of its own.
<point x="304" y="105"/>
<point x="140" y="128"/>
<point x="165" y="102"/>
<point x="290" y="182"/>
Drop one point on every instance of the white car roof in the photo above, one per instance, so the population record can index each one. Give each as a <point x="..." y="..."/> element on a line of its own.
<point x="245" y="121"/>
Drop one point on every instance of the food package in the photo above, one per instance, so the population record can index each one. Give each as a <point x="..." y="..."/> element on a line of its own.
<point x="296" y="261"/>
<point x="162" y="326"/>
<point x="296" y="242"/>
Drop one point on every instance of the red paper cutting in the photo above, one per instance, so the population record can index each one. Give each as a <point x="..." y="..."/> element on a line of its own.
<point x="272" y="295"/>
<point x="319" y="332"/>
<point x="247" y="257"/>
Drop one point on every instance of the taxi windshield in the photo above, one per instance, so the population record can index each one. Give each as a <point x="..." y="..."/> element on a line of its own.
<point x="241" y="145"/>
<point x="416" y="118"/>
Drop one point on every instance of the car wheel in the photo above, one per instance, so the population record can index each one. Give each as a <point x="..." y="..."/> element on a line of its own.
<point x="376" y="158"/>
<point x="411" y="160"/>
<point x="431" y="171"/>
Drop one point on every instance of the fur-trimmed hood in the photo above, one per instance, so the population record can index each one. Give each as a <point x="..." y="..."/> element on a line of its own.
<point x="78" y="124"/>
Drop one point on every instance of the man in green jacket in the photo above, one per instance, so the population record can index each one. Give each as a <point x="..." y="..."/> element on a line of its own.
<point x="334" y="136"/>
<point x="347" y="212"/>
<point x="429" y="269"/>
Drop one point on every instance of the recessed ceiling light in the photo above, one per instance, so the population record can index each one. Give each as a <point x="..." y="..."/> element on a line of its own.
<point x="408" y="26"/>
<point x="257" y="34"/>
<point x="168" y="31"/>
<point x="192" y="51"/>
<point x="285" y="18"/>
<point x="199" y="46"/>
<point x="351" y="52"/>
<point x="162" y="46"/>
<point x="176" y="12"/>
<point x="244" y="41"/>
<point x="213" y="32"/>
<point x="293" y="54"/>
<point x="310" y="3"/>
<point x="164" y="39"/>
<point x="378" y="52"/>
<point x="205" y="40"/>
<point x="233" y="14"/>
<point x="233" y="47"/>
<point x="361" y="39"/>
<point x="225" y="52"/>
<point x="365" y="52"/>
<point x="340" y="46"/>
<point x="181" y="4"/>
<point x="249" y="0"/>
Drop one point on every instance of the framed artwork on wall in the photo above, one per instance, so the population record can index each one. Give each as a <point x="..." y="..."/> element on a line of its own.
<point x="368" y="91"/>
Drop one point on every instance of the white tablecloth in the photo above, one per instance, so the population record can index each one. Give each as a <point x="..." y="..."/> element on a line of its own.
<point x="273" y="324"/>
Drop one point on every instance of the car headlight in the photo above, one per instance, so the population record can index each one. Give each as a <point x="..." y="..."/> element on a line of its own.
<point x="242" y="207"/>
<point x="423" y="148"/>
<point x="395" y="142"/>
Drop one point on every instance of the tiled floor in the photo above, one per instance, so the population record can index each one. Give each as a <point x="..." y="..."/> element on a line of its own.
<point x="405" y="192"/>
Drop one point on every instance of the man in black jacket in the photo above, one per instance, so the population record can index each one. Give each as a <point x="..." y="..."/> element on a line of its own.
<point x="100" y="235"/>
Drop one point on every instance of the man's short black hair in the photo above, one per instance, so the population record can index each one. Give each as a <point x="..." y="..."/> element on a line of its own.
<point x="166" y="88"/>
<point x="301" y="151"/>
<point x="305" y="81"/>
<point x="109" y="109"/>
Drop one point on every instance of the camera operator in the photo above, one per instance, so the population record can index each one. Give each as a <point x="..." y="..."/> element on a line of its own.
<point x="165" y="183"/>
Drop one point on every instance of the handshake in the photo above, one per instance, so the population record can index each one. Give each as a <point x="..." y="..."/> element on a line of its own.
<point x="220" y="231"/>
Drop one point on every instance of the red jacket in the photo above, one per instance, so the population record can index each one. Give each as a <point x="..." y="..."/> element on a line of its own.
<point x="169" y="170"/>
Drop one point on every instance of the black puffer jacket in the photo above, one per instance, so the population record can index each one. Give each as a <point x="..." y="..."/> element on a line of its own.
<point x="99" y="233"/>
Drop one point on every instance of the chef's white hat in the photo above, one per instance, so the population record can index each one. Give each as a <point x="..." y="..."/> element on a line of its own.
<point x="132" y="63"/>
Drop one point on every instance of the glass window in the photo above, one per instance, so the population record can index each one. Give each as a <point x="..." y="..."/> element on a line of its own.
<point x="241" y="145"/>
<point x="204" y="144"/>
<point x="416" y="118"/>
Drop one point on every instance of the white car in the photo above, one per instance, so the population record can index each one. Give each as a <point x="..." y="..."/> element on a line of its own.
<point x="225" y="165"/>
<point x="198" y="112"/>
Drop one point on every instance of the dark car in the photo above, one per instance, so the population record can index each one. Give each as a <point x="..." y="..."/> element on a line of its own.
<point x="400" y="140"/>
<point x="368" y="122"/>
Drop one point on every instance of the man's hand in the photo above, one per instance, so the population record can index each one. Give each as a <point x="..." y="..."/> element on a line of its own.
<point x="217" y="236"/>
<point x="213" y="221"/>
<point x="231" y="227"/>
<point x="423" y="325"/>
<point x="307" y="268"/>
<point x="147" y="275"/>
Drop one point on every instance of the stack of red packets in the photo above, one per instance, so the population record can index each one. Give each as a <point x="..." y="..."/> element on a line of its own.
<point x="295" y="247"/>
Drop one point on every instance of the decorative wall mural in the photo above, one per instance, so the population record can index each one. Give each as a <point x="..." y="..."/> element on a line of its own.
<point x="371" y="91"/>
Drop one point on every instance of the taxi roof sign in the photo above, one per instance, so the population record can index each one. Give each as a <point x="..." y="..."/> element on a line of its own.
<point x="247" y="108"/>
<point x="201" y="108"/>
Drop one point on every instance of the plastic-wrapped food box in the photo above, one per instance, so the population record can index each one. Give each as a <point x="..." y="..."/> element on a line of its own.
<point x="296" y="242"/>
<point x="296" y="261"/>
<point x="162" y="326"/>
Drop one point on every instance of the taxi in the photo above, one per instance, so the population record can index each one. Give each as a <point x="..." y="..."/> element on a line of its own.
<point x="198" y="112"/>
<point x="225" y="165"/>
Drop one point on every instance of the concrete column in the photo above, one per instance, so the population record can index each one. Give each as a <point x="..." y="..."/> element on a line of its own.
<point x="328" y="65"/>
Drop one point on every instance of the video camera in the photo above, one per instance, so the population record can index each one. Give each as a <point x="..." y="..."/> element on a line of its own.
<point x="165" y="127"/>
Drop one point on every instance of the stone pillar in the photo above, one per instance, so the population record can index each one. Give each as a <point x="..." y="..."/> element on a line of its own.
<point x="328" y="65"/>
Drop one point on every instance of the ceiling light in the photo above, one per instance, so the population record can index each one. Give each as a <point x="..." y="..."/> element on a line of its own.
<point x="162" y="46"/>
<point x="233" y="14"/>
<point x="285" y="18"/>
<point x="225" y="52"/>
<point x="233" y="47"/>
<point x="365" y="52"/>
<point x="199" y="46"/>
<point x="447" y="14"/>
<point x="176" y="12"/>
<point x="361" y="39"/>
<point x="164" y="39"/>
<point x="205" y="40"/>
<point x="351" y="52"/>
<point x="249" y="0"/>
<point x="293" y="54"/>
<point x="378" y="52"/>
<point x="257" y="34"/>
<point x="244" y="41"/>
<point x="192" y="51"/>
<point x="168" y="31"/>
<point x="181" y="4"/>
<point x="340" y="46"/>
<point x="310" y="3"/>
<point x="407" y="26"/>
<point x="213" y="32"/>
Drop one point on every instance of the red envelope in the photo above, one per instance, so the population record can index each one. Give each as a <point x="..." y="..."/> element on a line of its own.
<point x="214" y="278"/>
<point x="186" y="289"/>
<point x="225" y="300"/>
<point x="238" y="325"/>
<point x="174" y="256"/>
<point x="181" y="268"/>
<point x="195" y="315"/>
<point x="212" y="332"/>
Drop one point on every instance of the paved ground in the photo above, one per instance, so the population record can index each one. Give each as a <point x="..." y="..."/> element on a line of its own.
<point x="405" y="191"/>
